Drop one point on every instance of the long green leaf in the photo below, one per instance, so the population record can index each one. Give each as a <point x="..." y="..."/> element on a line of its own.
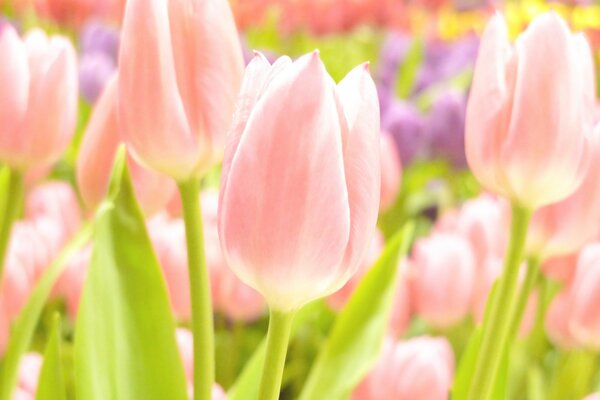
<point x="358" y="333"/>
<point x="24" y="327"/>
<point x="51" y="384"/>
<point x="125" y="344"/>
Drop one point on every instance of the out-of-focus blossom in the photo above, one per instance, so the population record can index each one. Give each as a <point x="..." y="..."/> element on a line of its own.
<point x="528" y="117"/>
<point x="30" y="366"/>
<point x="402" y="307"/>
<point x="185" y="343"/>
<point x="38" y="97"/>
<point x="557" y="321"/>
<point x="55" y="200"/>
<point x="442" y="277"/>
<point x="70" y="285"/>
<point x="76" y="12"/>
<point x="445" y="128"/>
<point x="338" y="300"/>
<point x="564" y="227"/>
<point x="593" y="396"/>
<point x="98" y="37"/>
<point x="391" y="171"/>
<point x="418" y="369"/>
<point x="96" y="157"/>
<point x="561" y="268"/>
<point x="175" y="102"/>
<point x="584" y="313"/>
<point x="407" y="127"/>
<point x="295" y="224"/>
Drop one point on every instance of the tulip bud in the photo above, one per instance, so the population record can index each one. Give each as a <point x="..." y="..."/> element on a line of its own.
<point x="564" y="227"/>
<point x="97" y="154"/>
<point x="529" y="110"/>
<point x="584" y="313"/>
<point x="38" y="97"/>
<point x="391" y="171"/>
<point x="29" y="373"/>
<point x="416" y="369"/>
<point x="557" y="321"/>
<point x="443" y="278"/>
<point x="180" y="70"/>
<point x="301" y="179"/>
<point x="561" y="268"/>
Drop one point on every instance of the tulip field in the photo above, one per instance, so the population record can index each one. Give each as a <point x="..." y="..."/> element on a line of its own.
<point x="299" y="200"/>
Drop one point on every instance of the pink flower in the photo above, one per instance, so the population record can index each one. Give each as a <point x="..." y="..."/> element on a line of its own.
<point x="38" y="97"/>
<point x="29" y="373"/>
<point x="417" y="369"/>
<point x="97" y="155"/>
<point x="442" y="278"/>
<point x="180" y="71"/>
<point x="529" y="111"/>
<point x="301" y="179"/>
<point x="557" y="321"/>
<point x="391" y="171"/>
<point x="584" y="315"/>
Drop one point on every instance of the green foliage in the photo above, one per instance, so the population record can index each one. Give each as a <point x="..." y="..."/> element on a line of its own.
<point x="407" y="76"/>
<point x="357" y="335"/>
<point x="125" y="344"/>
<point x="51" y="385"/>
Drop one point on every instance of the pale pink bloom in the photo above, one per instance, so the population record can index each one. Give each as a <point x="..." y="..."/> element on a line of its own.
<point x="73" y="12"/>
<point x="564" y="227"/>
<point x="180" y="71"/>
<point x="338" y="300"/>
<point x="29" y="373"/>
<point x="55" y="200"/>
<point x="70" y="284"/>
<point x="584" y="320"/>
<point x="442" y="278"/>
<point x="593" y="396"/>
<point x="417" y="369"/>
<point x="402" y="307"/>
<point x="529" y="112"/>
<point x="557" y="321"/>
<point x="561" y="268"/>
<point x="185" y="342"/>
<point x="97" y="155"/>
<point x="38" y="97"/>
<point x="301" y="179"/>
<point x="391" y="171"/>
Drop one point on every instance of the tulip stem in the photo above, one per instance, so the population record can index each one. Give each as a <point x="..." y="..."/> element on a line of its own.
<point x="531" y="277"/>
<point x="202" y="316"/>
<point x="280" y="325"/>
<point x="496" y="335"/>
<point x="11" y="207"/>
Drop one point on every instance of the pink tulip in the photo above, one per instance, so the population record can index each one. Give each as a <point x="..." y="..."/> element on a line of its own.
<point x="38" y="97"/>
<point x="564" y="227"/>
<point x="584" y="315"/>
<point x="57" y="201"/>
<point x="417" y="369"/>
<point x="97" y="155"/>
<point x="70" y="284"/>
<point x="443" y="278"/>
<point x="180" y="72"/>
<point x="295" y="222"/>
<point x="73" y="12"/>
<point x="529" y="110"/>
<point x="391" y="171"/>
<point x="185" y="342"/>
<point x="557" y="321"/>
<point x="561" y="268"/>
<point x="29" y="372"/>
<point x="593" y="396"/>
<point x="338" y="300"/>
<point x="402" y="307"/>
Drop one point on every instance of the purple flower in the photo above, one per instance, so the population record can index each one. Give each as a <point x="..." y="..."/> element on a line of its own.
<point x="445" y="128"/>
<point x="95" y="69"/>
<point x="406" y="125"/>
<point x="98" y="37"/>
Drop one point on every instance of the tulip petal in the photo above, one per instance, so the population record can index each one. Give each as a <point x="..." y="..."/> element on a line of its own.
<point x="362" y="165"/>
<point x="285" y="217"/>
<point x="151" y="112"/>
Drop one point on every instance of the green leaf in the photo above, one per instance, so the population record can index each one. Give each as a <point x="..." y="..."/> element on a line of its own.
<point x="125" y="344"/>
<point x="24" y="327"/>
<point x="407" y="76"/>
<point x="357" y="335"/>
<point x="51" y="384"/>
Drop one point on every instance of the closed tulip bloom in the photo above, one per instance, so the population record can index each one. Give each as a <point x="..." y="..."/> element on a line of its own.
<point x="557" y="321"/>
<point x="528" y="117"/>
<point x="561" y="268"/>
<point x="57" y="201"/>
<point x="301" y="179"/>
<point x="97" y="155"/>
<point x="443" y="278"/>
<point x="402" y="307"/>
<point x="38" y="97"/>
<point x="421" y="368"/>
<point x="564" y="227"/>
<point x="391" y="171"/>
<point x="180" y="71"/>
<point x="585" y="296"/>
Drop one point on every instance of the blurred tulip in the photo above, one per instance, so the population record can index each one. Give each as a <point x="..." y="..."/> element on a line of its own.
<point x="179" y="75"/>
<point x="557" y="322"/>
<point x="96" y="157"/>
<point x="391" y="171"/>
<point x="100" y="46"/>
<point x="564" y="227"/>
<point x="55" y="200"/>
<point x="407" y="126"/>
<point x="295" y="223"/>
<point x="73" y="12"/>
<point x="29" y="373"/>
<point x="97" y="37"/>
<point x="443" y="278"/>
<point x="417" y="369"/>
<point x="584" y="314"/>
<point x="445" y="128"/>
<point x="70" y="284"/>
<point x="593" y="396"/>
<point x="38" y="98"/>
<point x="402" y="307"/>
<point x="561" y="268"/>
<point x="529" y="109"/>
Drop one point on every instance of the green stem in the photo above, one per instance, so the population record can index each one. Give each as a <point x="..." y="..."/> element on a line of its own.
<point x="574" y="375"/>
<point x="202" y="316"/>
<point x="280" y="325"/>
<point x="531" y="277"/>
<point x="496" y="339"/>
<point x="12" y="207"/>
